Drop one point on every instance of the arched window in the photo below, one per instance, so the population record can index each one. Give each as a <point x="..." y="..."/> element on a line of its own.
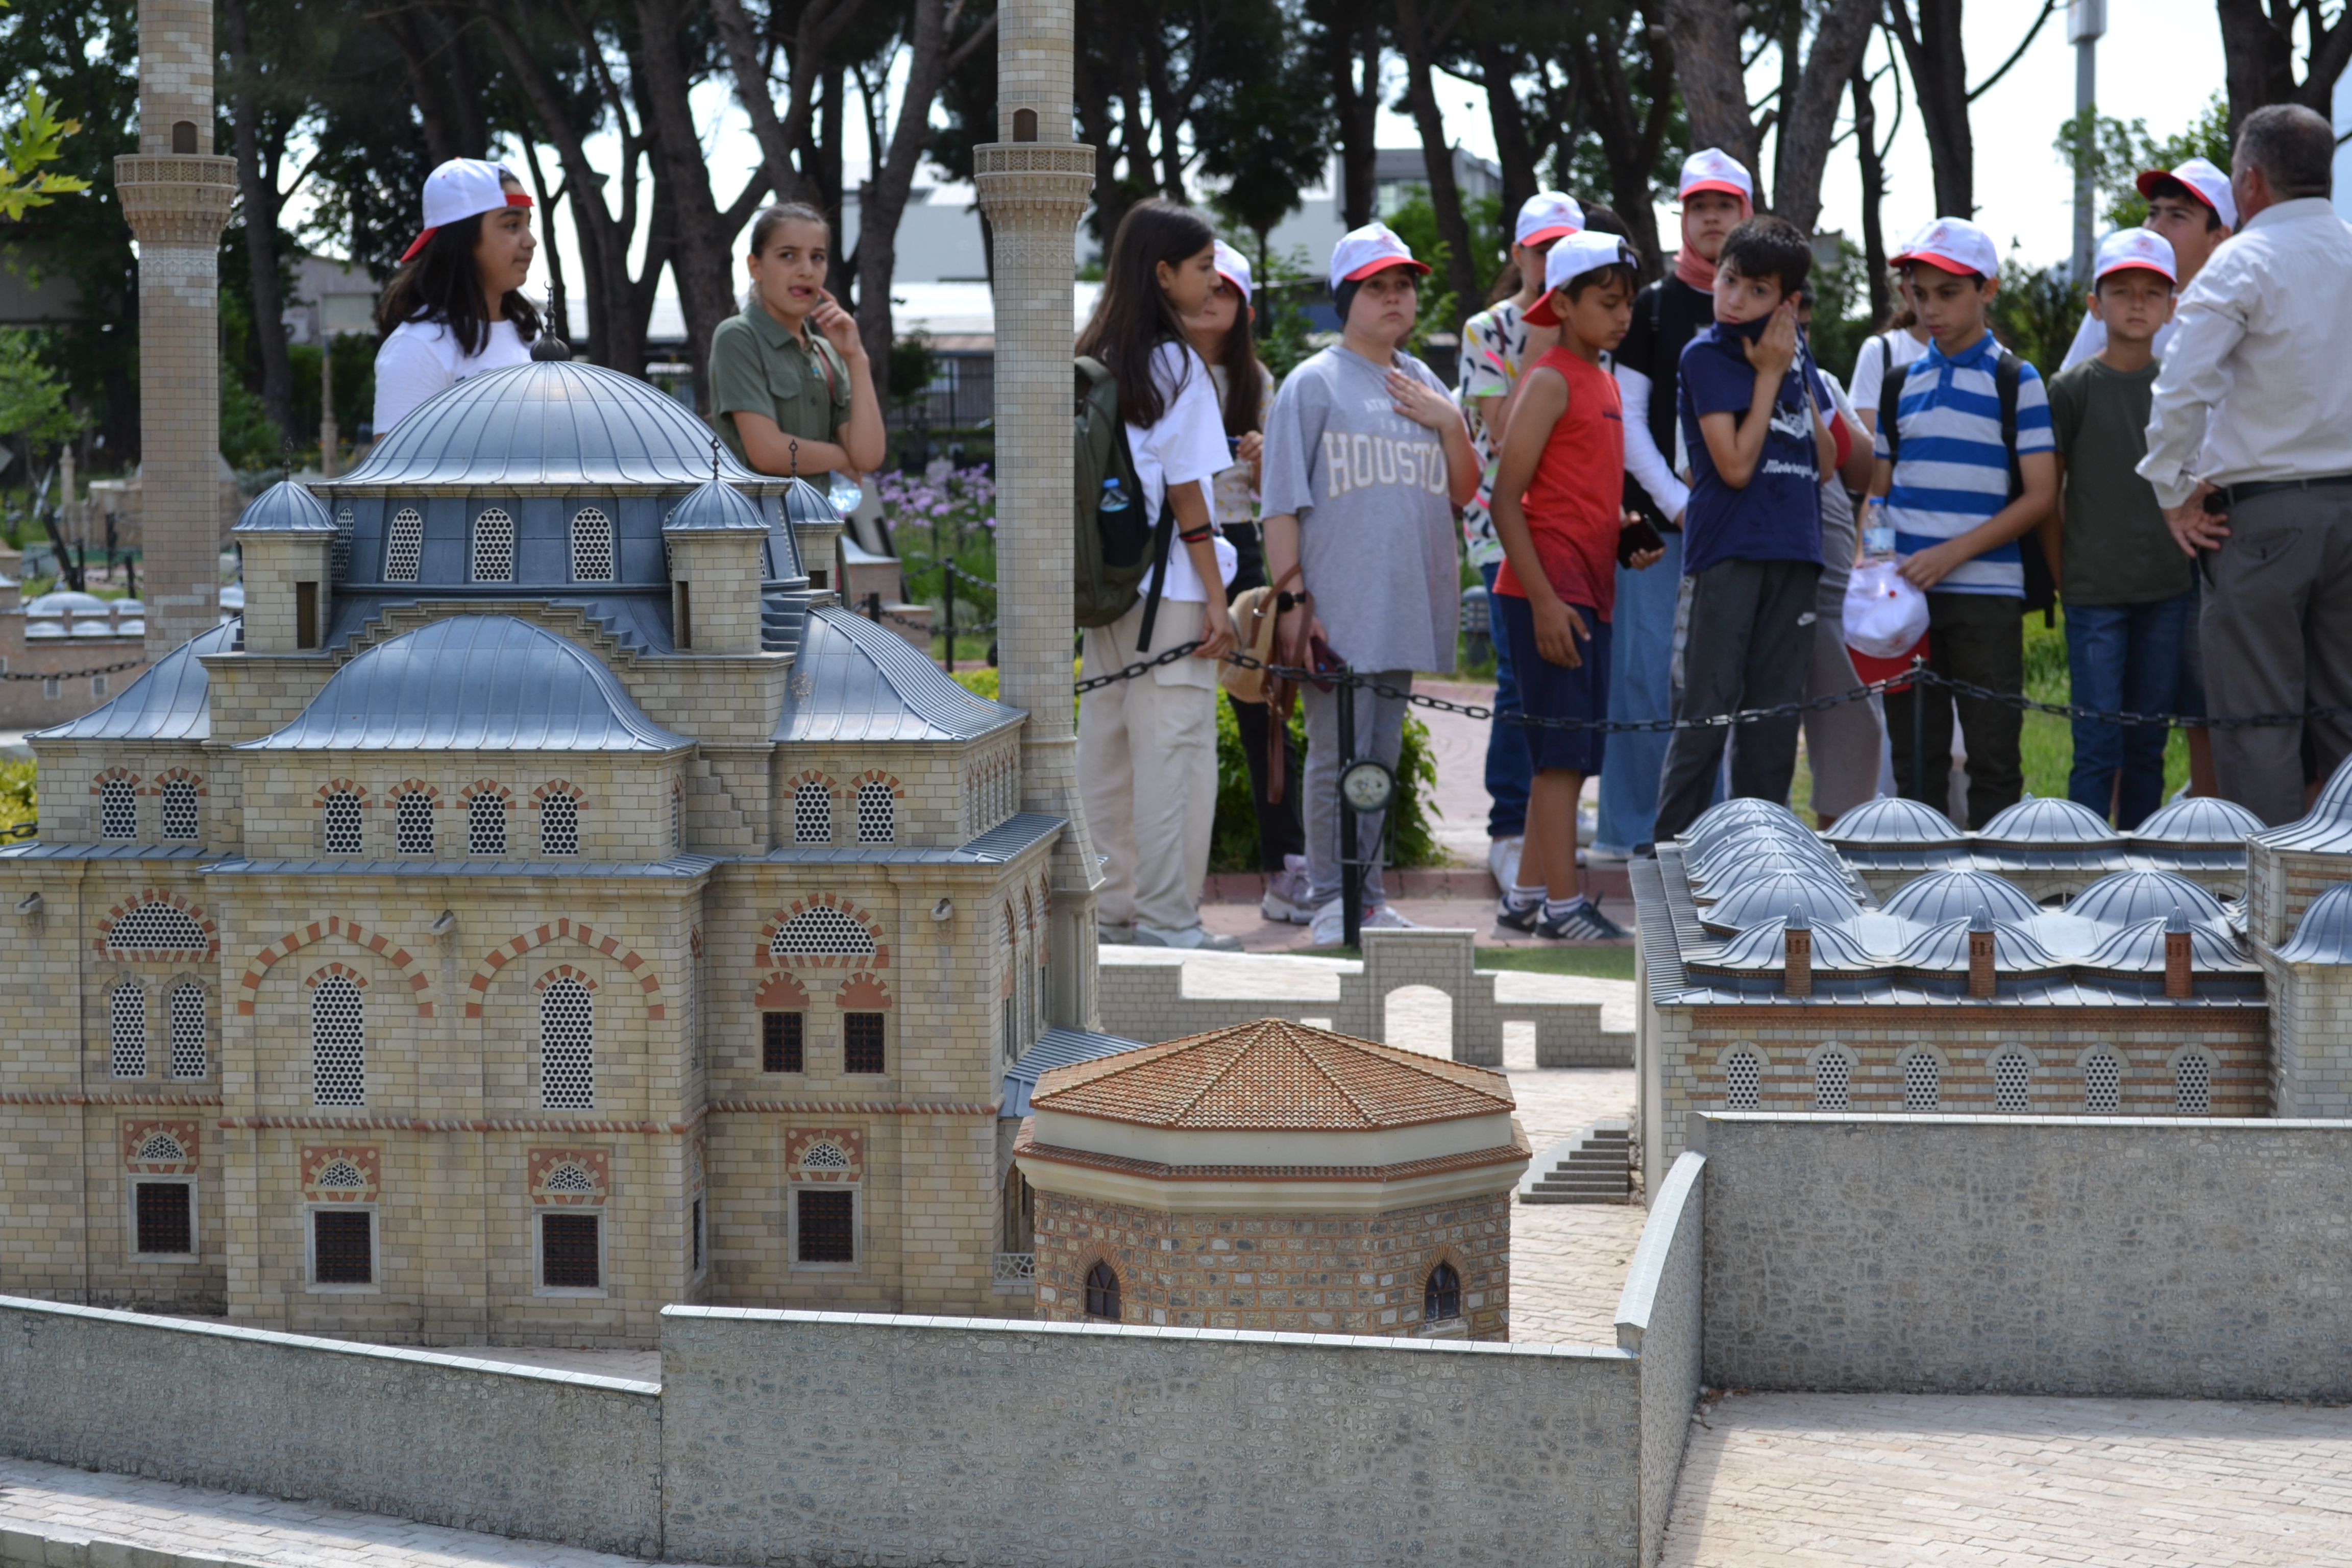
<point x="337" y="1044"/>
<point x="1743" y="1080"/>
<point x="158" y="928"/>
<point x="1832" y="1079"/>
<point x="559" y="825"/>
<point x="2193" y="1084"/>
<point x="812" y="813"/>
<point x="877" y="813"/>
<point x="1102" y="1292"/>
<point x="2102" y="1083"/>
<point x="339" y="561"/>
<point x="342" y="812"/>
<point x="403" y="545"/>
<point x="118" y="809"/>
<point x="187" y="1009"/>
<point x="126" y="1025"/>
<point x="493" y="547"/>
<point x="2013" y="1081"/>
<point x="1922" y="1081"/>
<point x="412" y="823"/>
<point x="567" y="1046"/>
<point x="822" y="931"/>
<point x="592" y="546"/>
<point x="486" y="825"/>
<point x="1441" y="1298"/>
<point x="180" y="819"/>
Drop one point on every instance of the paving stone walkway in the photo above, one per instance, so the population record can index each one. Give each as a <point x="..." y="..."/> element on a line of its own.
<point x="1791" y="1480"/>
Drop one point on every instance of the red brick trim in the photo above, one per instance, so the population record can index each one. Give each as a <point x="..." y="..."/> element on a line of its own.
<point x="1026" y="1146"/>
<point x="766" y="958"/>
<point x="337" y="971"/>
<point x="565" y="972"/>
<point x="781" y="993"/>
<point x="104" y="776"/>
<point x="175" y="775"/>
<point x="565" y="929"/>
<point x="414" y="787"/>
<point x="876" y="775"/>
<point x="862" y="992"/>
<point x="183" y="1133"/>
<point x="481" y="787"/>
<point x="816" y="776"/>
<point x="107" y="921"/>
<point x="339" y="786"/>
<point x="556" y="787"/>
<point x="349" y="931"/>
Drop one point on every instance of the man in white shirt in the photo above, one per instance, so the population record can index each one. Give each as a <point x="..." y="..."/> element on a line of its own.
<point x="2249" y="450"/>
<point x="2193" y="208"/>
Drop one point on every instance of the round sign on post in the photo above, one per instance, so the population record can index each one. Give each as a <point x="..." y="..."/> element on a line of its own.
<point x="1368" y="787"/>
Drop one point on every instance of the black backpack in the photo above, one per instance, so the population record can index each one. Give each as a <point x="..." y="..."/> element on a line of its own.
<point x="2041" y="587"/>
<point x="1113" y="550"/>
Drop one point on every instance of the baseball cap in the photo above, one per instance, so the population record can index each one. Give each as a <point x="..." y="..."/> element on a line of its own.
<point x="2208" y="184"/>
<point x="1364" y="251"/>
<point x="1233" y="267"/>
<point x="1548" y="214"/>
<point x="458" y="190"/>
<point x="1954" y="245"/>
<point x="1576" y="255"/>
<point x="1713" y="169"/>
<point x="2129" y="248"/>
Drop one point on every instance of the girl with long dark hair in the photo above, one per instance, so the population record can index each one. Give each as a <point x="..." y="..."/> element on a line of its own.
<point x="1148" y="747"/>
<point x="456" y="308"/>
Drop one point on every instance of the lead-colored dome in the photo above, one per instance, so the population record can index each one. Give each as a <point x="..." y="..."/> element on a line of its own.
<point x="2129" y="896"/>
<point x="2200" y="821"/>
<point x="1773" y="897"/>
<point x="1893" y="821"/>
<point x="2048" y="823"/>
<point x="2324" y="935"/>
<point x="1942" y="896"/>
<point x="285" y="508"/>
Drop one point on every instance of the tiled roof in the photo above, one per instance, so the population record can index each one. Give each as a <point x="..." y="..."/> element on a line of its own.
<point x="1274" y="1075"/>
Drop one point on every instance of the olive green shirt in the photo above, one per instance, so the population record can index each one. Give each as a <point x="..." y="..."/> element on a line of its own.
<point x="757" y="365"/>
<point x="2118" y="549"/>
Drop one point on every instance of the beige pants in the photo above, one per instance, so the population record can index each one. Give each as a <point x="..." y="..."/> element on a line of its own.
<point x="1147" y="772"/>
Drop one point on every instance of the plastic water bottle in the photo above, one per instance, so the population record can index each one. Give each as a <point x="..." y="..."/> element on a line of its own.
<point x="1115" y="496"/>
<point x="846" y="494"/>
<point x="1878" y="531"/>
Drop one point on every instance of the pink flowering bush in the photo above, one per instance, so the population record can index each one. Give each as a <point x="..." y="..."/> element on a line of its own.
<point x="944" y="513"/>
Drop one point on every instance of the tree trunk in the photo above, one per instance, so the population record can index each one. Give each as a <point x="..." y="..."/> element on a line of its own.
<point x="778" y="136"/>
<point x="884" y="198"/>
<point x="1437" y="160"/>
<point x="1874" y="193"/>
<point x="257" y="180"/>
<point x="1705" y="35"/>
<point x="2258" y="57"/>
<point x="1092" y="89"/>
<point x="1809" y="109"/>
<point x="1500" y="68"/>
<point x="1631" y="134"/>
<point x="441" y="78"/>
<point x="1939" y="77"/>
<point x="1351" y="42"/>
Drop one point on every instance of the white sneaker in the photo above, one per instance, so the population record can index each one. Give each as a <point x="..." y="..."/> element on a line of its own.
<point x="1503" y="860"/>
<point x="1384" y="918"/>
<point x="1193" y="939"/>
<point x="1329" y="926"/>
<point x="1287" y="892"/>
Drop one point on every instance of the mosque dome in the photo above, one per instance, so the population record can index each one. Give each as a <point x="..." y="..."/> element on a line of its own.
<point x="1773" y="897"/>
<point x="285" y="508"/>
<point x="715" y="506"/>
<point x="2129" y="896"/>
<point x="1893" y="821"/>
<point x="1723" y="855"/>
<point x="2048" y="823"/>
<point x="1942" y="896"/>
<point x="2200" y="821"/>
<point x="2324" y="935"/>
<point x="1739" y="812"/>
<point x="2327" y="828"/>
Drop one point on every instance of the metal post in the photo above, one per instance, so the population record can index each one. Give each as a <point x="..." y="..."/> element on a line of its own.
<point x="1919" y="731"/>
<point x="2086" y="21"/>
<point x="948" y="569"/>
<point x="1352" y="859"/>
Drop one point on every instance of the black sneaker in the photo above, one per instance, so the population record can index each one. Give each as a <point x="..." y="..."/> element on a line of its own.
<point x="1521" y="920"/>
<point x="1582" y="923"/>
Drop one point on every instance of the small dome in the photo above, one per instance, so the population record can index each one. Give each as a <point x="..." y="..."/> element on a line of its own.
<point x="2129" y="896"/>
<point x="1724" y="853"/>
<point x="169" y="702"/>
<point x="285" y="508"/>
<point x="40" y="629"/>
<point x="2199" y="821"/>
<point x="2138" y="949"/>
<point x="1773" y="897"/>
<point x="1740" y="810"/>
<point x="1756" y="864"/>
<point x="1893" y="821"/>
<point x="806" y="506"/>
<point x="715" y="507"/>
<point x="2327" y="828"/>
<point x="2324" y="935"/>
<point x="1942" y="896"/>
<point x="64" y="602"/>
<point x="130" y="607"/>
<point x="98" y="628"/>
<point x="2047" y="824"/>
<point x="1944" y="949"/>
<point x="1764" y="947"/>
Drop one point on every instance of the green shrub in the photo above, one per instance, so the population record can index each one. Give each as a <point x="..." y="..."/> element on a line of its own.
<point x="20" y="799"/>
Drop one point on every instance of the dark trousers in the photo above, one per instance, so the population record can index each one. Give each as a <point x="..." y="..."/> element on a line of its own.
<point x="2124" y="658"/>
<point x="1980" y="638"/>
<point x="1750" y="646"/>
<point x="1280" y="830"/>
<point x="1506" y="750"/>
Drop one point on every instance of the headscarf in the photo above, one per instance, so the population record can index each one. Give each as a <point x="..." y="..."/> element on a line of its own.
<point x="1691" y="267"/>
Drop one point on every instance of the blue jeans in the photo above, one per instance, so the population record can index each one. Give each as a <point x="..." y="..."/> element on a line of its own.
<point x="1506" y="750"/>
<point x="2123" y="658"/>
<point x="1641" y="630"/>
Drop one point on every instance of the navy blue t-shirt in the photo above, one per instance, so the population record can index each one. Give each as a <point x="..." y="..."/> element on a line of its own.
<point x="1777" y="515"/>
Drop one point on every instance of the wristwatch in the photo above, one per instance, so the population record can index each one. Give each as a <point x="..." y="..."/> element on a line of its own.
<point x="1284" y="602"/>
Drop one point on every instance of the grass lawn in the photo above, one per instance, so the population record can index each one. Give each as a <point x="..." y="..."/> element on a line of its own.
<point x="1601" y="963"/>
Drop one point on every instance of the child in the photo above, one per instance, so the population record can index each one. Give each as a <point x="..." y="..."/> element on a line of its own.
<point x="1366" y="458"/>
<point x="2128" y="598"/>
<point x="1960" y="496"/>
<point x="1759" y="449"/>
<point x="455" y="307"/>
<point x="1558" y="511"/>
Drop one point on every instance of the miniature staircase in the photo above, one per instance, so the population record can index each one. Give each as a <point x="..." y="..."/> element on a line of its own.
<point x="1593" y="1166"/>
<point x="713" y="820"/>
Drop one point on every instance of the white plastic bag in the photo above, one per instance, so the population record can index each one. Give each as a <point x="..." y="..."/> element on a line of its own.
<point x="1885" y="616"/>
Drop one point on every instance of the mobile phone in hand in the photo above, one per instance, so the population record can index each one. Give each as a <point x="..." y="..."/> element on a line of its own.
<point x="1635" y="537"/>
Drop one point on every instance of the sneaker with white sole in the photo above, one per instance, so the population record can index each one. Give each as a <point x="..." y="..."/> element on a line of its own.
<point x="1192" y="939"/>
<point x="1287" y="892"/>
<point x="1520" y="920"/>
<point x="1384" y="917"/>
<point x="1503" y="860"/>
<point x="1582" y="923"/>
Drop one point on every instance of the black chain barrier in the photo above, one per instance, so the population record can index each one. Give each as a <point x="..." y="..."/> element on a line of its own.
<point x="74" y="674"/>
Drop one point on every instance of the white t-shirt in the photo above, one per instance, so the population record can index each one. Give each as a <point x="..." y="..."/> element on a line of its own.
<point x="422" y="358"/>
<point x="1871" y="365"/>
<point x="1187" y="447"/>
<point x="2091" y="339"/>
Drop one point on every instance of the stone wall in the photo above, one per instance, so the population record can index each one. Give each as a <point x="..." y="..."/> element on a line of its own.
<point x="1659" y="1319"/>
<point x="549" y="1455"/>
<point x="2077" y="1256"/>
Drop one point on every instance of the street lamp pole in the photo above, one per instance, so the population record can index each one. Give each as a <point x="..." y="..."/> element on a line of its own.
<point x="2086" y="23"/>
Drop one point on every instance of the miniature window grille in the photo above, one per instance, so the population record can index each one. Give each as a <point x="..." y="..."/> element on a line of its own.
<point x="486" y="825"/>
<point x="118" y="809"/>
<point x="825" y="1157"/>
<point x="821" y="931"/>
<point x="1922" y="1081"/>
<point x="1833" y="1080"/>
<point x="2192" y="1085"/>
<point x="1012" y="1030"/>
<point x="167" y="1223"/>
<point x="342" y="1173"/>
<point x="412" y="824"/>
<point x="570" y="1177"/>
<point x="343" y="823"/>
<point x="694" y="1229"/>
<point x="592" y="546"/>
<point x="861" y="1042"/>
<point x="1743" y="1081"/>
<point x="812" y="813"/>
<point x="187" y="1009"/>
<point x="780" y="1042"/>
<point x="828" y="1225"/>
<point x="493" y="547"/>
<point x="162" y="1149"/>
<point x="2011" y="1082"/>
<point x="567" y="1046"/>
<point x="1441" y="1298"/>
<point x="342" y="1246"/>
<point x="341" y="559"/>
<point x="569" y="1257"/>
<point x="126" y="1021"/>
<point x="337" y="1044"/>
<point x="877" y="813"/>
<point x="676" y="815"/>
<point x="158" y="928"/>
<point x="180" y="819"/>
<point x="1102" y="1292"/>
<point x="2103" y="1084"/>
<point x="559" y="825"/>
<point x="403" y="546"/>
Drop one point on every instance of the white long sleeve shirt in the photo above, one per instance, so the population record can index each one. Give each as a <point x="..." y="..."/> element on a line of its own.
<point x="2254" y="386"/>
<point x="1642" y="460"/>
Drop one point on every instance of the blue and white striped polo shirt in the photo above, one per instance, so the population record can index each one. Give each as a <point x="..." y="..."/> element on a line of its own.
<point x="1953" y="474"/>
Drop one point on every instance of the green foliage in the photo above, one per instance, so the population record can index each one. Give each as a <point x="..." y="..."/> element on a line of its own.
<point x="1415" y="223"/>
<point x="1232" y="846"/>
<point x="1285" y="283"/>
<point x="32" y="401"/>
<point x="1841" y="322"/>
<point x="2035" y="314"/>
<point x="913" y="363"/>
<point x="1263" y="121"/>
<point x="2118" y="150"/>
<point x="20" y="799"/>
<point x="25" y="146"/>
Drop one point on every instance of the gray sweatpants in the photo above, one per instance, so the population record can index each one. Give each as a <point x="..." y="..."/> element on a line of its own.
<point x="1842" y="743"/>
<point x="1750" y="643"/>
<point x="1380" y="732"/>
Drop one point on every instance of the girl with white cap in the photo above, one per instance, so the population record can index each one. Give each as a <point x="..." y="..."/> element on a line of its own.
<point x="456" y="308"/>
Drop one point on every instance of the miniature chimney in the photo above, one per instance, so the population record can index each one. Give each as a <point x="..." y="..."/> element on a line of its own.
<point x="1980" y="952"/>
<point x="2175" y="954"/>
<point x="1797" y="956"/>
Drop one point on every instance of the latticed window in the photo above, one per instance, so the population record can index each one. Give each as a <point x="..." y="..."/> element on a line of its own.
<point x="342" y="811"/>
<point x="570" y="1255"/>
<point x="2103" y="1084"/>
<point x="812" y="813"/>
<point x="2012" y="1081"/>
<point x="2193" y="1084"/>
<point x="592" y="546"/>
<point x="340" y="561"/>
<point x="166" y="1219"/>
<point x="822" y="931"/>
<point x="1832" y="1079"/>
<point x="493" y="547"/>
<point x="1441" y="1298"/>
<point x="342" y="1246"/>
<point x="780" y="1042"/>
<point x="1922" y="1081"/>
<point x="694" y="1229"/>
<point x="188" y="1012"/>
<point x="570" y="1177"/>
<point x="337" y="1044"/>
<point x="126" y="1027"/>
<point x="877" y="813"/>
<point x="825" y="1157"/>
<point x="1102" y="1292"/>
<point x="1743" y="1081"/>
<point x="486" y="825"/>
<point x="403" y="545"/>
<point x="559" y="825"/>
<point x="676" y="815"/>
<point x="828" y="1225"/>
<point x="412" y="823"/>
<point x="157" y="927"/>
<point x="180" y="820"/>
<point x="118" y="809"/>
<point x="567" y="1046"/>
<point x="861" y="1042"/>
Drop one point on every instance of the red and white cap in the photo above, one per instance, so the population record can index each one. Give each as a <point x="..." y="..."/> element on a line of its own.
<point x="1371" y="249"/>
<point x="1953" y="245"/>
<point x="458" y="190"/>
<point x="1233" y="267"/>
<point x="1713" y="169"/>
<point x="1587" y="251"/>
<point x="1548" y="214"/>
<point x="2136" y="247"/>
<point x="2206" y="182"/>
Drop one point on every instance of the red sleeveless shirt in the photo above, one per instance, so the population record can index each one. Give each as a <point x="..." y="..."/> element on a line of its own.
<point x="1575" y="502"/>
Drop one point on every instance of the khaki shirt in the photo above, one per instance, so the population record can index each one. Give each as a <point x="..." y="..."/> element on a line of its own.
<point x="758" y="366"/>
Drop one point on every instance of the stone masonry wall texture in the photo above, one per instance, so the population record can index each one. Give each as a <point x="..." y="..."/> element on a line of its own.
<point x="2152" y="1258"/>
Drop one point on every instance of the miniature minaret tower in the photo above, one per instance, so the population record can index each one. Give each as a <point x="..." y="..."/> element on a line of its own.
<point x="176" y="197"/>
<point x="1035" y="183"/>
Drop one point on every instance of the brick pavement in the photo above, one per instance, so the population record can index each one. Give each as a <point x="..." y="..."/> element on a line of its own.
<point x="1781" y="1480"/>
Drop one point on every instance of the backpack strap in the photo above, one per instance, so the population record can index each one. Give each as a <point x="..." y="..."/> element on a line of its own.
<point x="2006" y="373"/>
<point x="1890" y="400"/>
<point x="1163" y="533"/>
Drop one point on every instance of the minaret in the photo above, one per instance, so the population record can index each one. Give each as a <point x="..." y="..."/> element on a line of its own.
<point x="176" y="197"/>
<point x="1035" y="183"/>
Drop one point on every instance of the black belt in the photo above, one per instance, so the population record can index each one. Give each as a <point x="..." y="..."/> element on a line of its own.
<point x="2232" y="494"/>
